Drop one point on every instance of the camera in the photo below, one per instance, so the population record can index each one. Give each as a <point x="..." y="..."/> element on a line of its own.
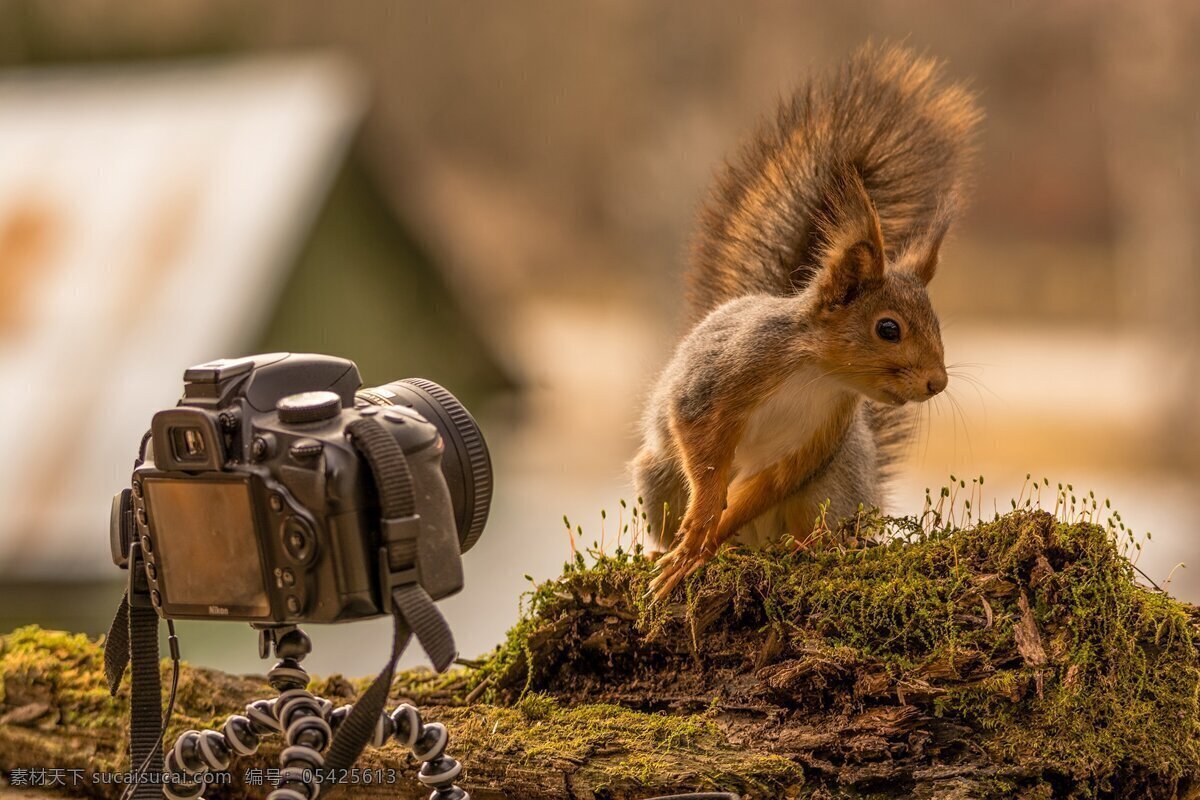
<point x="257" y="499"/>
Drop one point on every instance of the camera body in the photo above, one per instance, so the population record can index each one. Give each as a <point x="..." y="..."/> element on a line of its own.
<point x="252" y="502"/>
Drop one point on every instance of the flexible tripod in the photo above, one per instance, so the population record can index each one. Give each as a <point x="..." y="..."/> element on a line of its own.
<point x="308" y="724"/>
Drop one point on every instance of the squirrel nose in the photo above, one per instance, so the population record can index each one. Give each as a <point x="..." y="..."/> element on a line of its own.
<point x="937" y="383"/>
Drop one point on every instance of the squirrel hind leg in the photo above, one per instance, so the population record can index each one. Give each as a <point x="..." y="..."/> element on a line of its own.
<point x="660" y="483"/>
<point x="769" y="526"/>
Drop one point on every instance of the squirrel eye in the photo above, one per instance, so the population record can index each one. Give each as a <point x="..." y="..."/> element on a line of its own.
<point x="888" y="329"/>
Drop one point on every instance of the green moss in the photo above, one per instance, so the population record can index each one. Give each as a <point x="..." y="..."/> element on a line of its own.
<point x="616" y="746"/>
<point x="65" y="671"/>
<point x="622" y="574"/>
<point x="1121" y="684"/>
<point x="608" y="745"/>
<point x="63" y="667"/>
<point x="1115" y="694"/>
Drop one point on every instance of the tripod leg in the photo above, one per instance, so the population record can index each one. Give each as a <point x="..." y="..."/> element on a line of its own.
<point x="302" y="718"/>
<point x="295" y="713"/>
<point x="428" y="744"/>
<point x="198" y="752"/>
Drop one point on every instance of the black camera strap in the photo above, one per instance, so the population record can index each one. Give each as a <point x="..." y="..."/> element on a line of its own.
<point x="413" y="610"/>
<point x="133" y="640"/>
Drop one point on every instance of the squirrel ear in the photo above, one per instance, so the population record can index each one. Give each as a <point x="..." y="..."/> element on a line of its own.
<point x="921" y="258"/>
<point x="851" y="242"/>
<point x="843" y="275"/>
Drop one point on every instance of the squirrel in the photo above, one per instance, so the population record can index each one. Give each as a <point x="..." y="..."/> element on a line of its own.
<point x="811" y="325"/>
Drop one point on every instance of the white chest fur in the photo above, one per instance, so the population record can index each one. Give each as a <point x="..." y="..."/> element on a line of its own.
<point x="786" y="421"/>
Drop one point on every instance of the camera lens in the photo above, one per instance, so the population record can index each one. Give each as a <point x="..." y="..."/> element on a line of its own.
<point x="466" y="464"/>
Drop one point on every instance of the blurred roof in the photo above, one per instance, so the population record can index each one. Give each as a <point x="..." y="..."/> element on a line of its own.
<point x="144" y="216"/>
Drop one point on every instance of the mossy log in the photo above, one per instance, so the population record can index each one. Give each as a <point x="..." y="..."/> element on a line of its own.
<point x="1015" y="659"/>
<point x="57" y="715"/>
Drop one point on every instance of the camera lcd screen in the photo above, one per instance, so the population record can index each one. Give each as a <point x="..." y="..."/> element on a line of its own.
<point x="206" y="545"/>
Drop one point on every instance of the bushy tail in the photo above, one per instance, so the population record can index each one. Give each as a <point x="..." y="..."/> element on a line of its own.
<point x="886" y="114"/>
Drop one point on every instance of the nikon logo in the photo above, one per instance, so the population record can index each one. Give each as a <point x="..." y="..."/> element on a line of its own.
<point x="219" y="611"/>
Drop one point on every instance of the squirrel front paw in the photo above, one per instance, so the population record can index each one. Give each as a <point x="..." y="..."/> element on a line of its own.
<point x="687" y="555"/>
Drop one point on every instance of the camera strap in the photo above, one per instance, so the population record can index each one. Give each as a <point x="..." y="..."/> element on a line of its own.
<point x="413" y="610"/>
<point x="133" y="640"/>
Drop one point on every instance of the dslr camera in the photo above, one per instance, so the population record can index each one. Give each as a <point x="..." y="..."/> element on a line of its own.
<point x="255" y="499"/>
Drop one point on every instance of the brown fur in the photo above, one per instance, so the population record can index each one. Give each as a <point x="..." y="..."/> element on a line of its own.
<point x="884" y="115"/>
<point x="784" y="395"/>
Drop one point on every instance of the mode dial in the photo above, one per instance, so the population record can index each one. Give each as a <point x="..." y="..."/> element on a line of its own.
<point x="308" y="407"/>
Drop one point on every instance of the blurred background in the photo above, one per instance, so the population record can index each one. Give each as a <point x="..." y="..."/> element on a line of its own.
<point x="499" y="197"/>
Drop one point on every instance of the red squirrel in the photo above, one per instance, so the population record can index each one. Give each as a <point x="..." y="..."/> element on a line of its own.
<point x="811" y="327"/>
